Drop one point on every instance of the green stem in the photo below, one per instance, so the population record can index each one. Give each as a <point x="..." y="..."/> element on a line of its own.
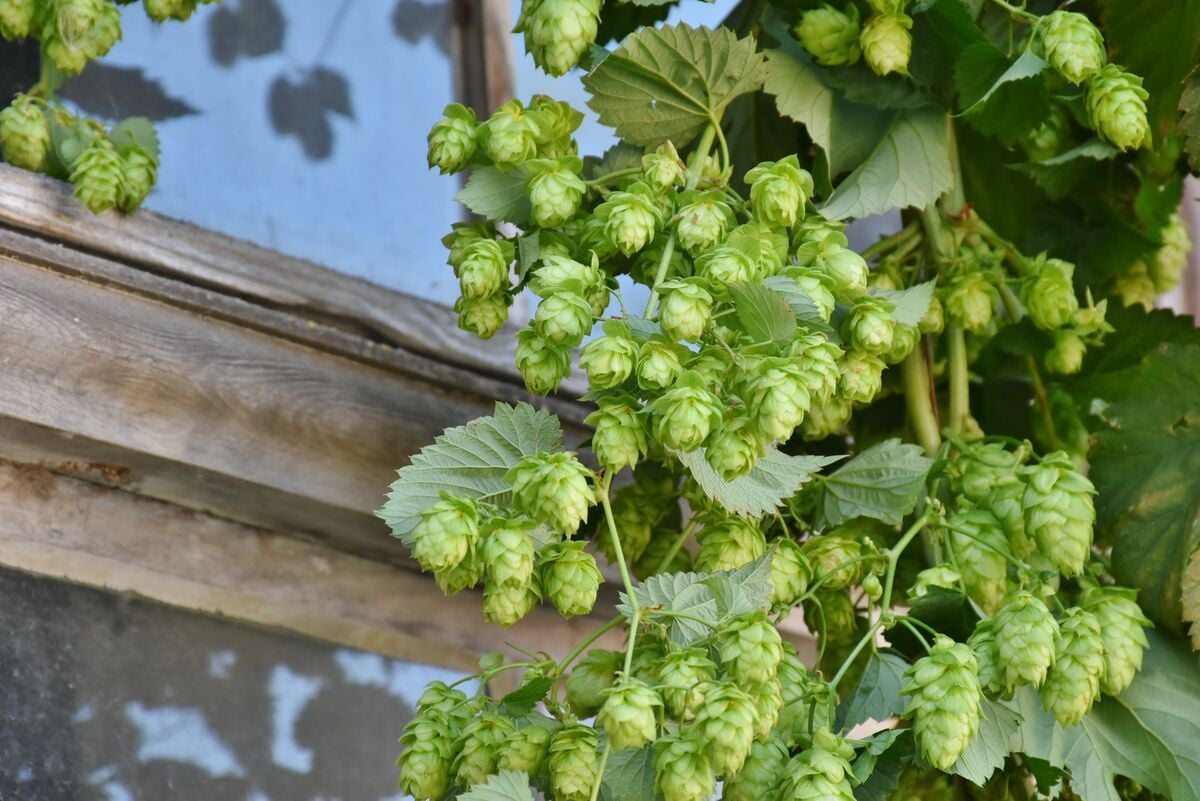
<point x="907" y="622"/>
<point x="612" y="176"/>
<point x="960" y="386"/>
<point x="889" y="243"/>
<point x="1043" y="402"/>
<point x="716" y="125"/>
<point x="919" y="397"/>
<point x="866" y="638"/>
<point x="600" y="769"/>
<point x="1019" y="13"/>
<point x="695" y="166"/>
<point x="631" y="596"/>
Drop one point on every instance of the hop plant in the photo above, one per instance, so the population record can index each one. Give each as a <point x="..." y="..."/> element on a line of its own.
<point x="982" y="643"/>
<point x="768" y="703"/>
<point x="1073" y="684"/>
<point x="483" y="317"/>
<point x="751" y="649"/>
<point x="726" y="264"/>
<point x="1066" y="356"/>
<point x="818" y="286"/>
<point x="861" y="377"/>
<point x="846" y="269"/>
<point x="779" y="190"/>
<point x="510" y="135"/>
<point x="17" y="19"/>
<point x="427" y="753"/>
<point x="686" y="309"/>
<point x="463" y="576"/>
<point x="543" y="364"/>
<point x="1051" y="138"/>
<point x="969" y="300"/>
<point x="631" y="218"/>
<point x="734" y="448"/>
<point x="1071" y="44"/>
<point x="483" y="268"/>
<point x="1121" y="631"/>
<point x="477" y="748"/>
<point x="449" y="701"/>
<point x="609" y="360"/>
<point x="978" y="469"/>
<point x="573" y="762"/>
<point x="554" y="489"/>
<point x="1049" y="294"/>
<point x="805" y="699"/>
<point x="1116" y="107"/>
<point x="779" y="398"/>
<point x="555" y="189"/>
<point x="729" y="543"/>
<point x="725" y="724"/>
<point x="452" y="139"/>
<point x="915" y="784"/>
<point x="981" y="552"/>
<point x="835" y="559"/>
<point x="887" y="43"/>
<point x="1059" y="512"/>
<point x="563" y="319"/>
<point x="1168" y="263"/>
<point x="508" y="552"/>
<point x="24" y="133"/>
<point x="506" y="604"/>
<point x="557" y="32"/>
<point x="629" y="714"/>
<point x="663" y="169"/>
<point x="946" y="701"/>
<point x="139" y="171"/>
<point x="817" y="358"/>
<point x="619" y="434"/>
<point x="683" y="675"/>
<point x="822" y="772"/>
<point x="870" y="326"/>
<point x="587" y="683"/>
<point x="525" y="750"/>
<point x="702" y="224"/>
<point x="446" y="533"/>
<point x="1005" y="501"/>
<point x="790" y="573"/>
<point x="830" y="36"/>
<point x="1025" y="635"/>
<point x="569" y="578"/>
<point x="98" y="176"/>
<point x="164" y="10"/>
<point x="682" y="771"/>
<point x="684" y="416"/>
<point x="761" y="773"/>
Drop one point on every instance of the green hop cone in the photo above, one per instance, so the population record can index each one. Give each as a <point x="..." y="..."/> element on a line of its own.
<point x="483" y="268"/>
<point x="760" y="774"/>
<point x="427" y="753"/>
<point x="830" y="36"/>
<point x="483" y="317"/>
<point x="17" y="18"/>
<point x="834" y="559"/>
<point x="609" y="360"/>
<point x="619" y="433"/>
<point x="594" y="674"/>
<point x="1116" y="107"/>
<point x="569" y="578"/>
<point x="1049" y="295"/>
<point x="631" y="218"/>
<point x="105" y="33"/>
<point x="768" y="704"/>
<point x="872" y="588"/>
<point x="163" y="10"/>
<point x="1051" y="138"/>
<point x="507" y="551"/>
<point x="525" y="750"/>
<point x="686" y="308"/>
<point x="703" y="224"/>
<point x="446" y="533"/>
<point x="790" y="573"/>
<point x="555" y="189"/>
<point x="1059" y="512"/>
<point x="681" y="768"/>
<point x="98" y="176"/>
<point x="478" y="746"/>
<point x="978" y="469"/>
<point x="779" y="398"/>
<point x="1167" y="265"/>
<point x="558" y="32"/>
<point x="729" y="543"/>
<point x="904" y="342"/>
<point x="635" y="514"/>
<point x="683" y="676"/>
<point x="1071" y="44"/>
<point x="725" y="264"/>
<point x="887" y="43"/>
<point x="822" y="772"/>
<point x="1121" y="630"/>
<point x="1066" y="356"/>
<point x="779" y="190"/>
<point x="818" y="286"/>
<point x="1025" y="634"/>
<point x="826" y="419"/>
<point x="751" y="649"/>
<point x="660" y="363"/>
<point x="915" y="784"/>
<point x="981" y="552"/>
<point x="1134" y="287"/>
<point x="942" y="576"/>
<point x="982" y="643"/>
<point x="629" y="715"/>
<point x="452" y="139"/>
<point x="684" y="416"/>
<point x="1073" y="684"/>
<point x="817" y="358"/>
<point x="663" y="168"/>
<point x="725" y="725"/>
<point x="554" y="489"/>
<point x="870" y="326"/>
<point x="969" y="300"/>
<point x="845" y="268"/>
<point x="509" y="136"/>
<point x="1006" y="501"/>
<point x="448" y="701"/>
<point x="831" y="613"/>
<point x="558" y="273"/>
<point x="861" y="377"/>
<point x="564" y="319"/>
<point x="139" y="171"/>
<point x="25" y="134"/>
<point x="463" y="576"/>
<point x="573" y="762"/>
<point x="506" y="604"/>
<point x="461" y="236"/>
<point x="805" y="699"/>
<point x="734" y="448"/>
<point x="945" y="703"/>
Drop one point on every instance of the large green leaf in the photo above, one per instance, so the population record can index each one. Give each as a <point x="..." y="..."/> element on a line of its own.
<point x="990" y="747"/>
<point x="763" y="314"/>
<point x="507" y="785"/>
<point x="669" y="82"/>
<point x="496" y="195"/>
<point x="878" y="767"/>
<point x="470" y="461"/>
<point x="877" y="696"/>
<point x="521" y="701"/>
<point x="775" y="478"/>
<point x="1000" y="96"/>
<point x="883" y="482"/>
<point x="1060" y="174"/>
<point x="802" y="306"/>
<point x="629" y="775"/>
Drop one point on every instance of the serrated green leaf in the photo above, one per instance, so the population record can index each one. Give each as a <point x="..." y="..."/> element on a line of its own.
<point x="470" y="461"/>
<point x="877" y="696"/>
<point x="879" y="773"/>
<point x="878" y="744"/>
<point x="775" y="478"/>
<point x="528" y="252"/>
<point x="883" y="482"/>
<point x="991" y="746"/>
<point x="802" y="306"/>
<point x="1059" y="175"/>
<point x="911" y="303"/>
<point x="761" y="313"/>
<point x="496" y="195"/>
<point x="1190" y="598"/>
<point x="1000" y="96"/>
<point x="682" y="599"/>
<point x="668" y="83"/>
<point x="745" y="589"/>
<point x="521" y="701"/>
<point x="629" y="775"/>
<point x="508" y="785"/>
<point x="136" y="131"/>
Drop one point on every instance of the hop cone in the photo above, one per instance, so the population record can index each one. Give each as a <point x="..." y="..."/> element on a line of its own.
<point x="483" y="317"/>
<point x="570" y="578"/>
<point x="594" y="674"/>
<point x="659" y="364"/>
<point x="446" y="533"/>
<point x="817" y="359"/>
<point x="831" y="613"/>
<point x="887" y="43"/>
<point x="725" y="724"/>
<point x="1025" y="634"/>
<point x="629" y="714"/>
<point x="1116" y="107"/>
<point x="507" y="551"/>
<point x="831" y="36"/>
<point x="505" y="604"/>
<point x="942" y="576"/>
<point x="983" y="644"/>
<point x="790" y="573"/>
<point x="483" y="268"/>
<point x="1059" y="512"/>
<point x="24" y="134"/>
<point x="684" y="415"/>
<point x="821" y="773"/>
<point x="1073" y="684"/>
<point x="663" y="168"/>
<point x="870" y="326"/>
<point x="17" y="18"/>
<point x="98" y="176"/>
<point x="525" y="750"/>
<point x="635" y="519"/>
<point x="555" y="190"/>
<point x="563" y="319"/>
<point x="946" y="701"/>
<point x="163" y="10"/>
<point x="557" y="32"/>
<point x="139" y="171"/>
<point x="982" y="466"/>
<point x="682" y="770"/>
<point x="834" y="559"/>
<point x="805" y="699"/>
<point x="726" y="264"/>
<point x="728" y="544"/>
<point x="553" y="488"/>
<point x="915" y="784"/>
<point x="761" y="773"/>
<point x="452" y="139"/>
<point x="619" y="434"/>
<point x="1006" y="501"/>
<point x="686" y="309"/>
<point x="438" y="697"/>
<point x="465" y="575"/>
<point x="981" y="548"/>
<point x="861" y="377"/>
<point x="750" y="648"/>
<point x="478" y="747"/>
<point x="1171" y="258"/>
<point x="1049" y="295"/>
<point x="1121" y="630"/>
<point x="573" y="762"/>
<point x="427" y="753"/>
<point x="509" y="136"/>
<point x="702" y="224"/>
<point x="768" y="703"/>
<point x="609" y="360"/>
<point x="683" y="676"/>
<point x="631" y="220"/>
<point x="970" y="300"/>
<point x="779" y="398"/>
<point x="734" y="448"/>
<point x="1066" y="357"/>
<point x="1071" y="44"/>
<point x="779" y="190"/>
